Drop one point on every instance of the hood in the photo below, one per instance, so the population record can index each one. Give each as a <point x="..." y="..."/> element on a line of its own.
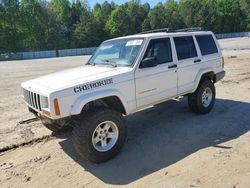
<point x="72" y="77"/>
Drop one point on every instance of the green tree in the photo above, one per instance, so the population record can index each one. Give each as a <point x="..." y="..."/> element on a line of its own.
<point x="54" y="39"/>
<point x="189" y="11"/>
<point x="137" y="14"/>
<point x="107" y="8"/>
<point x="38" y="25"/>
<point x="228" y="16"/>
<point x="102" y="13"/>
<point x="87" y="33"/>
<point x="146" y="25"/>
<point x="245" y="15"/>
<point x="248" y="23"/>
<point x="199" y="13"/>
<point x="157" y="17"/>
<point x="77" y="8"/>
<point x="100" y="19"/>
<point x="33" y="25"/>
<point x="62" y="9"/>
<point x="10" y="34"/>
<point x="173" y="15"/>
<point x="119" y="22"/>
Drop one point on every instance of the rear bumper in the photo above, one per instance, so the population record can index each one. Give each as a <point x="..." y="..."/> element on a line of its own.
<point x="219" y="76"/>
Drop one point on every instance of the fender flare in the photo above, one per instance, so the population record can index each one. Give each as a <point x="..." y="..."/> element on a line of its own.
<point x="199" y="76"/>
<point x="82" y="100"/>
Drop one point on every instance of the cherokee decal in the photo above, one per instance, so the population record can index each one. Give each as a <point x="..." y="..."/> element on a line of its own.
<point x="93" y="85"/>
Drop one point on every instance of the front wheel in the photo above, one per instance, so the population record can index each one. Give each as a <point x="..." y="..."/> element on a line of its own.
<point x="99" y="134"/>
<point x="203" y="99"/>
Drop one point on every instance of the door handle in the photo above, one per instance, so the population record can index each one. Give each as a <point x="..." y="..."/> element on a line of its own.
<point x="197" y="60"/>
<point x="172" y="66"/>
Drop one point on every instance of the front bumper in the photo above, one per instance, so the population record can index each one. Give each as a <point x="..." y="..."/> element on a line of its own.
<point x="219" y="76"/>
<point x="44" y="119"/>
<point x="58" y="122"/>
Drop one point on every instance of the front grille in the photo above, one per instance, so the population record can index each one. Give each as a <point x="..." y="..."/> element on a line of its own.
<point x="33" y="99"/>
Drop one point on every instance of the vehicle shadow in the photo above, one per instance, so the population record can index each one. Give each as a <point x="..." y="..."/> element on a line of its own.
<point x="163" y="135"/>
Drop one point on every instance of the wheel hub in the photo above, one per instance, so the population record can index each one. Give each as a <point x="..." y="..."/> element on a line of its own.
<point x="105" y="136"/>
<point x="207" y="97"/>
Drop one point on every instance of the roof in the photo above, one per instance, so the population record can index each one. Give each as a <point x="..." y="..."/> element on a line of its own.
<point x="159" y="34"/>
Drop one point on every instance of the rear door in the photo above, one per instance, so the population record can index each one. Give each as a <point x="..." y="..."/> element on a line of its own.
<point x="189" y="62"/>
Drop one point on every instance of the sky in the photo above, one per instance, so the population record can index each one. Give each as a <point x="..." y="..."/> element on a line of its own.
<point x="151" y="2"/>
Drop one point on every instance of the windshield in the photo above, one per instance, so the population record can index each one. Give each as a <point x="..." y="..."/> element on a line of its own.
<point x="120" y="52"/>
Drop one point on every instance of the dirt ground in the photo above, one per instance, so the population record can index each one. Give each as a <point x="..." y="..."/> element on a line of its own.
<point x="167" y="146"/>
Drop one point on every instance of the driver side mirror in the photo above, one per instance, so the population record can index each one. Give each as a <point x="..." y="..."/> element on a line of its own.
<point x="148" y="62"/>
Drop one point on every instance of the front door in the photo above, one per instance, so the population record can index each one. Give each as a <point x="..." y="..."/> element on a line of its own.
<point x="158" y="83"/>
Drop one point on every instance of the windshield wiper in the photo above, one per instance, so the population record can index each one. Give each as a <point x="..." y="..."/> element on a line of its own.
<point x="113" y="63"/>
<point x="93" y="64"/>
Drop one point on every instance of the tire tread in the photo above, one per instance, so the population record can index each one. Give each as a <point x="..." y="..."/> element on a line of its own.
<point x="82" y="131"/>
<point x="194" y="98"/>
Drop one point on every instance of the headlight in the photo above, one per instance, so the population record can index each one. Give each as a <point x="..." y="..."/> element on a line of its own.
<point x="44" y="102"/>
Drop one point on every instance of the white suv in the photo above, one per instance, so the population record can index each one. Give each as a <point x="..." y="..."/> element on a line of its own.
<point x="123" y="76"/>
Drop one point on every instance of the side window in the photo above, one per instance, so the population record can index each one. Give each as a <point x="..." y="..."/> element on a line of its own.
<point x="206" y="44"/>
<point x="185" y="47"/>
<point x="160" y="49"/>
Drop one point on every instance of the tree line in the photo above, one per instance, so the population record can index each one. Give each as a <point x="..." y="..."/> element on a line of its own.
<point x="28" y="25"/>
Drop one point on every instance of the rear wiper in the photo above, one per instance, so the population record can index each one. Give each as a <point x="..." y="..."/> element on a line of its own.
<point x="113" y="63"/>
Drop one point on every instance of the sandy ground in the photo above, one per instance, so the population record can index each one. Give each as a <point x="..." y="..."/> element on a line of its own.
<point x="167" y="146"/>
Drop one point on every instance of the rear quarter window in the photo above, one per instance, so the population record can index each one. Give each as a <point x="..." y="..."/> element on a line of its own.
<point x="207" y="44"/>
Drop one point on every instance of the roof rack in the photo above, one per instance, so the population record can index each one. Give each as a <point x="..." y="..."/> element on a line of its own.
<point x="191" y="29"/>
<point x="169" y="30"/>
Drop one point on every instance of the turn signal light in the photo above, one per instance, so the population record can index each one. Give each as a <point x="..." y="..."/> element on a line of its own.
<point x="56" y="107"/>
<point x="46" y="112"/>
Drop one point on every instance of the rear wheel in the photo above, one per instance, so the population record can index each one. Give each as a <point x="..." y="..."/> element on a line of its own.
<point x="203" y="99"/>
<point x="99" y="135"/>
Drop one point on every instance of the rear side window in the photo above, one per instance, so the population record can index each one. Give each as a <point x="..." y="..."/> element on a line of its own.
<point x="185" y="47"/>
<point x="206" y="44"/>
<point x="160" y="49"/>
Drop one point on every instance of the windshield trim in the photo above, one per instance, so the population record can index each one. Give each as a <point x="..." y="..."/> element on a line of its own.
<point x="118" y="39"/>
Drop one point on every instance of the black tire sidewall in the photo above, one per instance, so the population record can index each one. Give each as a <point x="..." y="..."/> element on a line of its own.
<point x="205" y="84"/>
<point x="83" y="132"/>
<point x="105" y="117"/>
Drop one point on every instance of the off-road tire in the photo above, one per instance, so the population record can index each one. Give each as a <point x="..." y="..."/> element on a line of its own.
<point x="85" y="127"/>
<point x="195" y="99"/>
